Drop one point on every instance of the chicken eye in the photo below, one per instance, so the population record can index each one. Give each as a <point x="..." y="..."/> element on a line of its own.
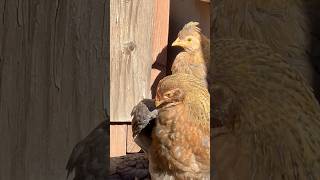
<point x="168" y="95"/>
<point x="189" y="39"/>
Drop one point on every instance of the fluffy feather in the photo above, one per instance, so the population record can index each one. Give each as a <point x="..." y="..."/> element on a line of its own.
<point x="180" y="146"/>
<point x="266" y="118"/>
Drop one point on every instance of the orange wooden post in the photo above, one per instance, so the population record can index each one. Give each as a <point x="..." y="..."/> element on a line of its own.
<point x="132" y="147"/>
<point x="118" y="140"/>
<point x="160" y="41"/>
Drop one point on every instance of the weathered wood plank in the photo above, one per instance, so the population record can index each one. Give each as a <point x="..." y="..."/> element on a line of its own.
<point x="53" y="65"/>
<point x="131" y="25"/>
<point x="132" y="147"/>
<point x="160" y="42"/>
<point x="118" y="140"/>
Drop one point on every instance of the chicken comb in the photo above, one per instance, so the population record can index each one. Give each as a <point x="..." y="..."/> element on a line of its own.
<point x="192" y="25"/>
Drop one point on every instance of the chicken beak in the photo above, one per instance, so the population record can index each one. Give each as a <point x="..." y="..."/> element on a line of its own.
<point x="177" y="42"/>
<point x="157" y="103"/>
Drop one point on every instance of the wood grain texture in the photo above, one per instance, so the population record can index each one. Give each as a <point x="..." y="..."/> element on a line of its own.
<point x="160" y="42"/>
<point x="118" y="140"/>
<point x="161" y="28"/>
<point x="131" y="25"/>
<point x="132" y="147"/>
<point x="53" y="82"/>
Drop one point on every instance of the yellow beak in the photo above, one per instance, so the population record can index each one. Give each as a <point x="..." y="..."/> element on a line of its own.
<point x="177" y="42"/>
<point x="157" y="103"/>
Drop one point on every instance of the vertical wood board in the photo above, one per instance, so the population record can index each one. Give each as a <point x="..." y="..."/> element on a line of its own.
<point x="118" y="140"/>
<point x="132" y="147"/>
<point x="131" y="25"/>
<point x="53" y="66"/>
<point x="160" y="42"/>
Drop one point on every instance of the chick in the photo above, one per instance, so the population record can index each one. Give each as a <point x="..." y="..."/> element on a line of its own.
<point x="195" y="57"/>
<point x="180" y="147"/>
<point x="266" y="119"/>
<point x="193" y="60"/>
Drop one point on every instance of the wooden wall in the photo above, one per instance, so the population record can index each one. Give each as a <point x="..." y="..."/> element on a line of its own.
<point x="138" y="41"/>
<point x="138" y="35"/>
<point x="53" y="82"/>
<point x="131" y="24"/>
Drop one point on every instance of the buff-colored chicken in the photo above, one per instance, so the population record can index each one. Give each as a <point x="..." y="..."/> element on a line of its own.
<point x="180" y="143"/>
<point x="253" y="136"/>
<point x="266" y="118"/>
<point x="193" y="60"/>
<point x="180" y="136"/>
<point x="180" y="147"/>
<point x="195" y="57"/>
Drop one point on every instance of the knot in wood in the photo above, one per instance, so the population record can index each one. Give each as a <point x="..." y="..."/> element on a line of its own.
<point x="129" y="47"/>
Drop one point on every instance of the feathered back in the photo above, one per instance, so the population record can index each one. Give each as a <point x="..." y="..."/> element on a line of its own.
<point x="196" y="93"/>
<point x="180" y="146"/>
<point x="183" y="63"/>
<point x="281" y="24"/>
<point x="274" y="126"/>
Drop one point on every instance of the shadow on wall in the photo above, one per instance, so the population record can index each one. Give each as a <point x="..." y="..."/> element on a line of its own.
<point x="158" y="64"/>
<point x="197" y="11"/>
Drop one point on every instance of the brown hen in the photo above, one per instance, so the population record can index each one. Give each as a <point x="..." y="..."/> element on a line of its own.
<point x="193" y="60"/>
<point x="266" y="119"/>
<point x="180" y="147"/>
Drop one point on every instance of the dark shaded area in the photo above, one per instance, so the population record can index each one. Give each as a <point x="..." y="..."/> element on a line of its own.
<point x="159" y="65"/>
<point x="88" y="158"/>
<point x="313" y="14"/>
<point x="290" y="28"/>
<point x="54" y="84"/>
<point x="130" y="166"/>
<point x="181" y="14"/>
<point x="173" y="51"/>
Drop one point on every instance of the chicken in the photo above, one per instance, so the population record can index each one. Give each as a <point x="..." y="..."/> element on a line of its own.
<point x="90" y="160"/>
<point x="282" y="25"/>
<point x="90" y="156"/>
<point x="193" y="60"/>
<point x="195" y="57"/>
<point x="188" y="66"/>
<point x="266" y="119"/>
<point x="186" y="108"/>
<point x="144" y="114"/>
<point x="180" y="147"/>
